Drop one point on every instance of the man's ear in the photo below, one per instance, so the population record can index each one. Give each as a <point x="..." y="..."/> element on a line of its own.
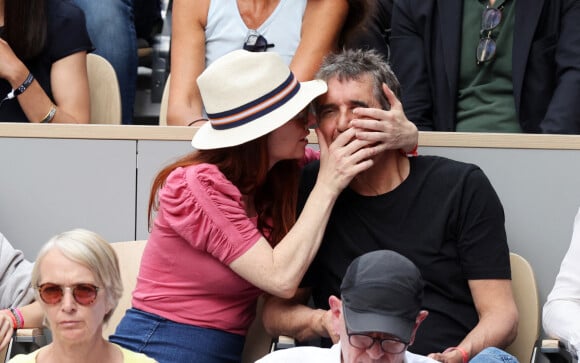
<point x="420" y="317"/>
<point x="335" y="304"/>
<point x="336" y="310"/>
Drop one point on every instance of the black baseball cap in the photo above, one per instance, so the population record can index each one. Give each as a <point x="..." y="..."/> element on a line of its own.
<point x="382" y="291"/>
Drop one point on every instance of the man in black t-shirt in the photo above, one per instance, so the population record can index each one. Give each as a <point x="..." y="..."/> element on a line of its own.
<point x="442" y="214"/>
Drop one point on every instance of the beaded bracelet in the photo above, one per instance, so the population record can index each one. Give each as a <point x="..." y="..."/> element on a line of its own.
<point x="19" y="317"/>
<point x="12" y="317"/>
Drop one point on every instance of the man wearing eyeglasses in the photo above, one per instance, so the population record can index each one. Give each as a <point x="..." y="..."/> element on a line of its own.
<point x="376" y="317"/>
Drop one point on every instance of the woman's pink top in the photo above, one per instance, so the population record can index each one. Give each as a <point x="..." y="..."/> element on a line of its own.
<point x="200" y="228"/>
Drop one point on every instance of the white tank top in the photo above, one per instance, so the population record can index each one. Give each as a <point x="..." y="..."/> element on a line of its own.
<point x="226" y="31"/>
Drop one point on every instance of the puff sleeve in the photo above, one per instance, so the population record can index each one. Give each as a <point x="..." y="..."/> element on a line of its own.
<point x="207" y="210"/>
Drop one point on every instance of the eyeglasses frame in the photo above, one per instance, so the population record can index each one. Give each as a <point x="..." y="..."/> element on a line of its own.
<point x="375" y="340"/>
<point x="40" y="288"/>
<point x="488" y="32"/>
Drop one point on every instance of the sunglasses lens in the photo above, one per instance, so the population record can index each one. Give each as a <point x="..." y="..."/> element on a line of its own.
<point x="490" y="19"/>
<point x="50" y="293"/>
<point x="85" y="294"/>
<point x="256" y="43"/>
<point x="485" y="49"/>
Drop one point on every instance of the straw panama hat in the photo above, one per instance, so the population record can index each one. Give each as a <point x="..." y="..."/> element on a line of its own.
<point x="247" y="95"/>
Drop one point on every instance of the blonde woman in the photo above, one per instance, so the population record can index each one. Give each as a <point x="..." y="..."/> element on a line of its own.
<point x="78" y="284"/>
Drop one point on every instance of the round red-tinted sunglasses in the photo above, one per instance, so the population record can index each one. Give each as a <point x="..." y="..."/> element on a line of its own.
<point x="84" y="294"/>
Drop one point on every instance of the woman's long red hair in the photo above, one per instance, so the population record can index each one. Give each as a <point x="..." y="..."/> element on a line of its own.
<point x="274" y="191"/>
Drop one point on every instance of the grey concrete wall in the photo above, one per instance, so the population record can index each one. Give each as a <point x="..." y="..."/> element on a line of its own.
<point x="52" y="185"/>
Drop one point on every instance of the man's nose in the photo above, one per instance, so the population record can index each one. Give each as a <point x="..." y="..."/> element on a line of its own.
<point x="343" y="121"/>
<point x="375" y="351"/>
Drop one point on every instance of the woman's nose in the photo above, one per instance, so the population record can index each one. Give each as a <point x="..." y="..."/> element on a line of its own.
<point x="68" y="302"/>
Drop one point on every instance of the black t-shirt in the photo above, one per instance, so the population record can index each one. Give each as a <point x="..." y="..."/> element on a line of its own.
<point x="445" y="217"/>
<point x="66" y="34"/>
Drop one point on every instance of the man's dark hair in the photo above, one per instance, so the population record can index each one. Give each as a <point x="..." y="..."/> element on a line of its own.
<point x="352" y="64"/>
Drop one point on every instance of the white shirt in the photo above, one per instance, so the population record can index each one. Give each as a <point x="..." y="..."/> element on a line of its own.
<point x="226" y="31"/>
<point x="324" y="355"/>
<point x="561" y="314"/>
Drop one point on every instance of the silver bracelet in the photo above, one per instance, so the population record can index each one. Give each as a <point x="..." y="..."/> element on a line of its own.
<point x="50" y="115"/>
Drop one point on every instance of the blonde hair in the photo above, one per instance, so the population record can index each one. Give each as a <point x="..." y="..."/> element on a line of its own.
<point x="91" y="250"/>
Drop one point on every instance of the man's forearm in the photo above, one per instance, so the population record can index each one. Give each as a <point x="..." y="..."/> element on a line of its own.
<point x="290" y="318"/>
<point x="495" y="331"/>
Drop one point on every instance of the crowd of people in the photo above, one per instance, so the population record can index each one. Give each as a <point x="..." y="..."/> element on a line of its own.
<point x="486" y="70"/>
<point x="253" y="211"/>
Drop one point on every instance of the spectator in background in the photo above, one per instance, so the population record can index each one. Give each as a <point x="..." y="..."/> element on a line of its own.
<point x="375" y="31"/>
<point x="148" y="20"/>
<point x="375" y="316"/>
<point x="561" y="314"/>
<point x="16" y="294"/>
<point x="489" y="66"/>
<point x="112" y="29"/>
<point x="78" y="285"/>
<point x="301" y="31"/>
<point x="43" y="68"/>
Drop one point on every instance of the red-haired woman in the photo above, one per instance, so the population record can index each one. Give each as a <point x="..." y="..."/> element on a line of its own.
<point x="225" y="229"/>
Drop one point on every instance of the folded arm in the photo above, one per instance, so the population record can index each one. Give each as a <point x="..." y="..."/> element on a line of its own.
<point x="69" y="84"/>
<point x="32" y="314"/>
<point x="498" y="319"/>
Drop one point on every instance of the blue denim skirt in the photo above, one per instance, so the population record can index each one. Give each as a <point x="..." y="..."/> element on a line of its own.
<point x="170" y="342"/>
